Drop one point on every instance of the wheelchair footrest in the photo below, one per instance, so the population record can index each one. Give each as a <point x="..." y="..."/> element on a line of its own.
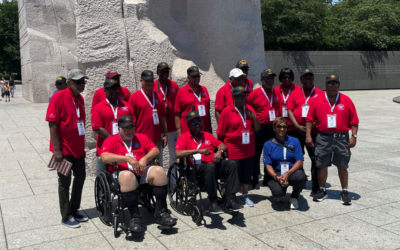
<point x="161" y="227"/>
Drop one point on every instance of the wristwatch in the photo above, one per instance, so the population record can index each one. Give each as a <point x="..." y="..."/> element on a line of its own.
<point x="222" y="151"/>
<point x="275" y="177"/>
<point x="355" y="136"/>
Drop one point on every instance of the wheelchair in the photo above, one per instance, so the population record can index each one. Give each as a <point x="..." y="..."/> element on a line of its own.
<point x="183" y="189"/>
<point x="106" y="188"/>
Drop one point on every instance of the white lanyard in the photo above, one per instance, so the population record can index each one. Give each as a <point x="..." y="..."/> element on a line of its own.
<point x="162" y="91"/>
<point x="287" y="96"/>
<point x="272" y="96"/>
<point x="78" y="112"/>
<point x="332" y="107"/>
<point x="284" y="153"/>
<point x="198" y="145"/>
<point x="231" y="85"/>
<point x="198" y="97"/>
<point x="309" y="95"/>
<point x="112" y="108"/>
<point x="152" y="106"/>
<point x="244" y="111"/>
<point x="130" y="147"/>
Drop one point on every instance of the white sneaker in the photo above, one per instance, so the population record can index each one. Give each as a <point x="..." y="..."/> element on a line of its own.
<point x="294" y="204"/>
<point x="279" y="199"/>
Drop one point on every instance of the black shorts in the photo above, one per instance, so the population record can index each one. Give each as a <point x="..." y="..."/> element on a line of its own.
<point x="244" y="169"/>
<point x="7" y="93"/>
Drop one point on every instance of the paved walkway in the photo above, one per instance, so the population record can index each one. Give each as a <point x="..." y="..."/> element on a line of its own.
<point x="30" y="216"/>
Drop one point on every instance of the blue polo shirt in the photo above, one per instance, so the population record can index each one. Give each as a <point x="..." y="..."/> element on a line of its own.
<point x="53" y="94"/>
<point x="273" y="154"/>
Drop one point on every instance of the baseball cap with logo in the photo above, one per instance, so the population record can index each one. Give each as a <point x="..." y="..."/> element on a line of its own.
<point x="76" y="74"/>
<point x="147" y="75"/>
<point x="191" y="115"/>
<point x="193" y="71"/>
<point x="61" y="79"/>
<point x="162" y="65"/>
<point x="125" y="121"/>
<point x="111" y="74"/>
<point x="332" y="78"/>
<point x="266" y="73"/>
<point x="307" y="71"/>
<point x="238" y="90"/>
<point x="242" y="64"/>
<point x="110" y="82"/>
<point x="236" y="73"/>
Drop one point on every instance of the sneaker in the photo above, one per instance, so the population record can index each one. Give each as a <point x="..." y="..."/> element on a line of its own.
<point x="294" y="204"/>
<point x="232" y="206"/>
<point x="312" y="193"/>
<point x="164" y="218"/>
<point x="280" y="199"/>
<point x="321" y="195"/>
<point x="345" y="197"/>
<point x="71" y="223"/>
<point x="135" y="225"/>
<point x="215" y="209"/>
<point x="246" y="200"/>
<point x="80" y="218"/>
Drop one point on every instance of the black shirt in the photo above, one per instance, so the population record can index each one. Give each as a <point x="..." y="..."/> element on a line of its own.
<point x="11" y="82"/>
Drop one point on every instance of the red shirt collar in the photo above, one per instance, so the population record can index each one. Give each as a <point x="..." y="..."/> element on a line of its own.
<point x="281" y="88"/>
<point x="72" y="95"/>
<point x="202" y="136"/>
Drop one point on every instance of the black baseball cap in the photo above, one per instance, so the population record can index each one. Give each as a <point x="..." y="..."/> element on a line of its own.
<point x="242" y="64"/>
<point x="332" y="78"/>
<point x="238" y="90"/>
<point x="125" y="121"/>
<point x="110" y="82"/>
<point x="307" y="71"/>
<point x="162" y="65"/>
<point x="61" y="79"/>
<point x="266" y="73"/>
<point x="193" y="71"/>
<point x="147" y="75"/>
<point x="191" y="115"/>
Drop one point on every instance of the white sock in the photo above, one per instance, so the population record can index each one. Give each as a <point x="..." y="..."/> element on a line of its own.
<point x="322" y="188"/>
<point x="344" y="189"/>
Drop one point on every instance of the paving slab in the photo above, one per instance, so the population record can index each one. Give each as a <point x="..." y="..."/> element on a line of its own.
<point x="140" y="241"/>
<point x="374" y="217"/>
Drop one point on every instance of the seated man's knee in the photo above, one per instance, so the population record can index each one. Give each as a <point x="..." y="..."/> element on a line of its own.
<point x="157" y="176"/>
<point x="210" y="168"/>
<point x="127" y="181"/>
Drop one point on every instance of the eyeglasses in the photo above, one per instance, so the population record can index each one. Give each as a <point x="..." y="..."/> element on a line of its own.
<point x="241" y="97"/>
<point x="195" y="123"/>
<point x="331" y="84"/>
<point x="196" y="76"/>
<point x="129" y="128"/>
<point x="114" y="87"/>
<point x="79" y="82"/>
<point x="281" y="127"/>
<point x="287" y="77"/>
<point x="240" y="79"/>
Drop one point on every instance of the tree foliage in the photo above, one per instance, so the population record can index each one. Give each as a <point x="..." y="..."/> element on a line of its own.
<point x="346" y="25"/>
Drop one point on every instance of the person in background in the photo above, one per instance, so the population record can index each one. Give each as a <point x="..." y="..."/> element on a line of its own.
<point x="61" y="84"/>
<point x="11" y="84"/>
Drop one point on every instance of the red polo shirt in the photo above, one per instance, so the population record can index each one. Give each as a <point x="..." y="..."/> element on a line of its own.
<point x="248" y="85"/>
<point x="143" y="114"/>
<point x="141" y="145"/>
<point x="296" y="102"/>
<point x="346" y="114"/>
<point x="62" y="110"/>
<point x="185" y="99"/>
<point x="103" y="117"/>
<point x="230" y="126"/>
<point x="169" y="100"/>
<point x="186" y="142"/>
<point x="261" y="105"/>
<point x="100" y="95"/>
<point x="279" y="91"/>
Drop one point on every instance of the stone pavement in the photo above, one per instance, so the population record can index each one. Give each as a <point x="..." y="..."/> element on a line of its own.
<point x="30" y="216"/>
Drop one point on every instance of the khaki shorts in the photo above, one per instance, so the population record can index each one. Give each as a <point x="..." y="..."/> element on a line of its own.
<point x="143" y="178"/>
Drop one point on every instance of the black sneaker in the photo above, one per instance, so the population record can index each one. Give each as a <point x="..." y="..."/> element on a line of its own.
<point x="215" y="209"/>
<point x="345" y="197"/>
<point x="164" y="218"/>
<point x="135" y="225"/>
<point x="321" y="195"/>
<point x="232" y="206"/>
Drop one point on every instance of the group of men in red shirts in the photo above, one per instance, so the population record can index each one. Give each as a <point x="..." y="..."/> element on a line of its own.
<point x="163" y="112"/>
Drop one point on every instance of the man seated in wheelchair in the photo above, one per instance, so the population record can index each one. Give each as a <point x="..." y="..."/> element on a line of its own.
<point x="207" y="164"/>
<point x="133" y="153"/>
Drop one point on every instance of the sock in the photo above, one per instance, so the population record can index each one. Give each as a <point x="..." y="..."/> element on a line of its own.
<point x="130" y="200"/>
<point x="160" y="192"/>
<point x="231" y="197"/>
<point x="344" y="189"/>
<point x="212" y="199"/>
<point x="322" y="188"/>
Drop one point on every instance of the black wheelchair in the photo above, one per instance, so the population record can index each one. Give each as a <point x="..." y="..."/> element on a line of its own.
<point x="183" y="189"/>
<point x="106" y="188"/>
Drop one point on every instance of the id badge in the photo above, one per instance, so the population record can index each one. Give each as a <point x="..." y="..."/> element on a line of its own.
<point x="332" y="121"/>
<point x="114" y="126"/>
<point x="272" y="115"/>
<point x="304" y="111"/>
<point x="246" y="138"/>
<point x="81" y="128"/>
<point x="284" y="167"/>
<point x="197" y="159"/>
<point x="202" y="110"/>
<point x="129" y="165"/>
<point x="155" y="117"/>
<point x="284" y="111"/>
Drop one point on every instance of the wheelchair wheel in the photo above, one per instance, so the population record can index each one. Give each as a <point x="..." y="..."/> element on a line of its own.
<point x="103" y="199"/>
<point x="197" y="217"/>
<point x="175" y="189"/>
<point x="115" y="224"/>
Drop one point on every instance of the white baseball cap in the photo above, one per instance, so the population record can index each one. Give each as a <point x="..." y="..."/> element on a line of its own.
<point x="236" y="73"/>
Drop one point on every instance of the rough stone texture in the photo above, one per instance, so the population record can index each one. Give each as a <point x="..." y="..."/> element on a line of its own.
<point x="48" y="48"/>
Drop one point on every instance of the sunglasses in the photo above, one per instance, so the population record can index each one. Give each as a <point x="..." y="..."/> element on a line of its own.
<point x="129" y="128"/>
<point x="281" y="127"/>
<point x="195" y="123"/>
<point x="333" y="84"/>
<point x="241" y="97"/>
<point x="60" y="83"/>
<point x="79" y="82"/>
<point x="196" y="76"/>
<point x="115" y="87"/>
<point x="287" y="77"/>
<point x="240" y="79"/>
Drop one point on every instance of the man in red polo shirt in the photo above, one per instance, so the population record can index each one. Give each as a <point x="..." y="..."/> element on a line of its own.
<point x="244" y="66"/>
<point x="167" y="90"/>
<point x="224" y="94"/>
<point x="209" y="165"/>
<point x="105" y="117"/>
<point x="286" y="77"/>
<point x="334" y="115"/>
<point x="266" y="104"/>
<point x="149" y="112"/>
<point x="298" y="106"/>
<point x="193" y="95"/>
<point x="66" y="117"/>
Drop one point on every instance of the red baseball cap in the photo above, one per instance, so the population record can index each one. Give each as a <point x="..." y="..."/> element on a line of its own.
<point x="110" y="74"/>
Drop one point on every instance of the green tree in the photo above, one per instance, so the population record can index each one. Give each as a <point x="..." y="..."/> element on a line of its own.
<point x="9" y="38"/>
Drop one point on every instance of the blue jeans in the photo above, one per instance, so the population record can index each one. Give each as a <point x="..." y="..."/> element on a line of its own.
<point x="12" y="91"/>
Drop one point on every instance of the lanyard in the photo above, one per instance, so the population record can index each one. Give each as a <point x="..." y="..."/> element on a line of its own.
<point x="287" y="96"/>
<point x="198" y="97"/>
<point x="244" y="111"/>
<point x="130" y="147"/>
<point x="112" y="108"/>
<point x="309" y="95"/>
<point x="332" y="107"/>
<point x="272" y="99"/>
<point x="198" y="145"/>
<point x="78" y="112"/>
<point x="162" y="91"/>
<point x="284" y="154"/>
<point x="231" y="85"/>
<point x="152" y="106"/>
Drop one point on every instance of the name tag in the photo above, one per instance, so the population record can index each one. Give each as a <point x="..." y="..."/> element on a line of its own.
<point x="284" y="111"/>
<point x="202" y="110"/>
<point x="197" y="159"/>
<point x="246" y="138"/>
<point x="155" y="117"/>
<point x="305" y="109"/>
<point x="114" y="126"/>
<point x="284" y="167"/>
<point x="81" y="128"/>
<point x="332" y="121"/>
<point x="272" y="115"/>
<point x="129" y="165"/>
